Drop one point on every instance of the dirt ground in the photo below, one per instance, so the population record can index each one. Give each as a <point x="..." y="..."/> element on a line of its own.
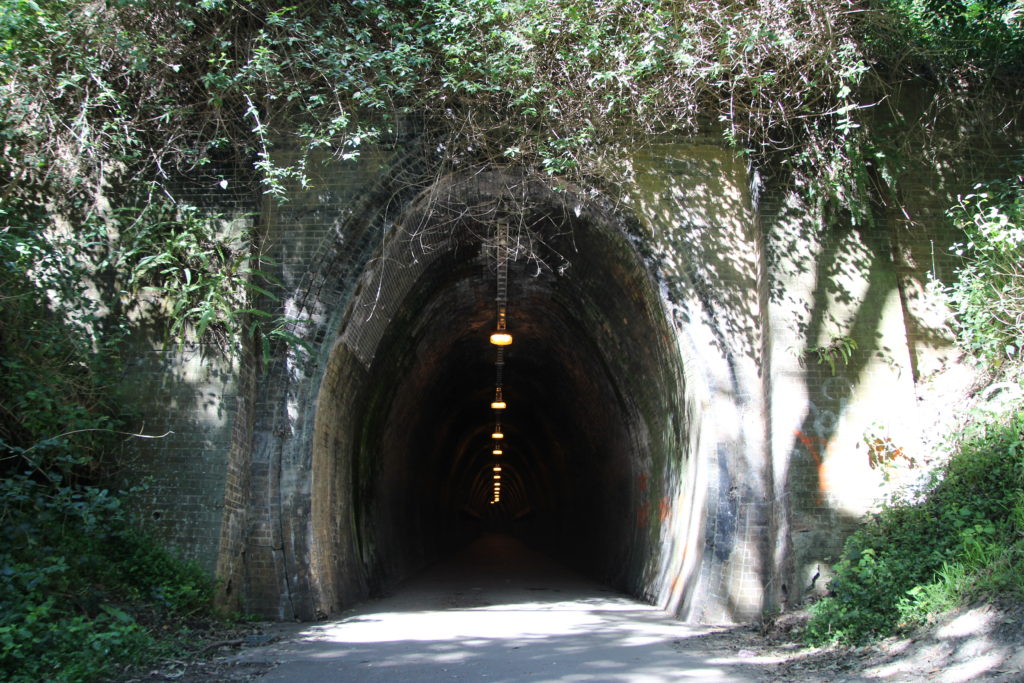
<point x="976" y="644"/>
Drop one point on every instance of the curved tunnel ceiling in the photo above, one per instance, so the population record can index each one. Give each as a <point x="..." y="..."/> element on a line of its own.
<point x="591" y="374"/>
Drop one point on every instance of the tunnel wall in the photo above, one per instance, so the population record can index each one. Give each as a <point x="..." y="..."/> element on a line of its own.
<point x="698" y="219"/>
<point x="752" y="465"/>
<point x="870" y="282"/>
<point x="701" y="516"/>
<point x="183" y="403"/>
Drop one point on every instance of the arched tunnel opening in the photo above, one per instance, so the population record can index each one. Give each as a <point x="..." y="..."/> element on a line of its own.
<point x="594" y="454"/>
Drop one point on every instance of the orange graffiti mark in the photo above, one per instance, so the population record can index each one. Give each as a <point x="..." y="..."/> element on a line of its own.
<point x="642" y="482"/>
<point x="663" y="509"/>
<point x="814" y="446"/>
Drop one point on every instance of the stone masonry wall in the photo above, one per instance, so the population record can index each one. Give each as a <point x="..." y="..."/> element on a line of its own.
<point x="186" y="396"/>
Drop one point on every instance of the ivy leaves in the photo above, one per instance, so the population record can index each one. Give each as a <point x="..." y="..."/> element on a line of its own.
<point x="542" y="82"/>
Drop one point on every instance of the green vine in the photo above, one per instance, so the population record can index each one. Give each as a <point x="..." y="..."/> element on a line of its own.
<point x="99" y="98"/>
<point x="545" y="83"/>
<point x="838" y="350"/>
<point x="988" y="297"/>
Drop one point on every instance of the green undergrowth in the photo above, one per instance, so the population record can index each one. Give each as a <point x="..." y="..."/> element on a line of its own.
<point x="84" y="592"/>
<point x="988" y="295"/>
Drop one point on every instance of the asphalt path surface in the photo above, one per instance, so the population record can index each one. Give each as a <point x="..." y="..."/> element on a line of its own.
<point x="498" y="611"/>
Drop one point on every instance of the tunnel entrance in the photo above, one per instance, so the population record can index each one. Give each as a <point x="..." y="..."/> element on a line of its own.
<point x="595" y="448"/>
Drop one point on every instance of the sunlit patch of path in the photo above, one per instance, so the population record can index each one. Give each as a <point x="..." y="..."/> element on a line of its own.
<point x="498" y="612"/>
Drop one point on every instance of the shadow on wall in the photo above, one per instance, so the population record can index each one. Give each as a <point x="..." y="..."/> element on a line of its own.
<point x="756" y="437"/>
<point x="828" y="285"/>
<point x="699" y="233"/>
<point x="697" y="227"/>
<point x="765" y="287"/>
<point x="760" y="457"/>
<point x="185" y="399"/>
<point x="861" y="282"/>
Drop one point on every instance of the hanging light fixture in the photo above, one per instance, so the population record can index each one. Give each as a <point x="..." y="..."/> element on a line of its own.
<point x="500" y="336"/>
<point x="499" y="401"/>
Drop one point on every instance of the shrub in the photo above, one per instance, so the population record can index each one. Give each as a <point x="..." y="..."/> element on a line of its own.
<point x="78" y="579"/>
<point x="965" y="540"/>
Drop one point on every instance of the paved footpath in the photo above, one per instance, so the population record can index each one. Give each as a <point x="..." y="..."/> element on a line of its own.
<point x="498" y="612"/>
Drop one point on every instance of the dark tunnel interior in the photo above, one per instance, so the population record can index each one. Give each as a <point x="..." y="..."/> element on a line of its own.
<point x="591" y="430"/>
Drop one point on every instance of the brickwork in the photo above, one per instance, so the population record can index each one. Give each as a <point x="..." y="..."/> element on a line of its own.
<point x="696" y="209"/>
<point x="731" y="464"/>
<point x="922" y="236"/>
<point x="187" y="396"/>
<point x="322" y="241"/>
<point x="186" y="400"/>
<point x="826" y="284"/>
<point x="867" y="282"/>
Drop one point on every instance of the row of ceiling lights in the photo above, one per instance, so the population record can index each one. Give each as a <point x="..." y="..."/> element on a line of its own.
<point x="500" y="338"/>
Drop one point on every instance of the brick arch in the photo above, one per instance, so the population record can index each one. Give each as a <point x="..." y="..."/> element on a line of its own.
<point x="298" y="545"/>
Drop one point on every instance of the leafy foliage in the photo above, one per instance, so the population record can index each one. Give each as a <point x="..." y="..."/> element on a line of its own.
<point x="76" y="574"/>
<point x="76" y="577"/>
<point x="53" y="407"/>
<point x="196" y="269"/>
<point x="988" y="296"/>
<point x="104" y="101"/>
<point x="105" y="105"/>
<point x="74" y="569"/>
<point x="961" y="33"/>
<point x="917" y="557"/>
<point x="838" y="349"/>
<point x="548" y="83"/>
